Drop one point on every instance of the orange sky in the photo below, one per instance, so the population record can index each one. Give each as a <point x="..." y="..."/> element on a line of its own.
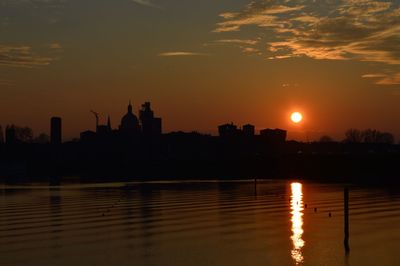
<point x="202" y="63"/>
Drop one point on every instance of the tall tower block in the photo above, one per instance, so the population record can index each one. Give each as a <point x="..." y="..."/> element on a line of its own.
<point x="55" y="130"/>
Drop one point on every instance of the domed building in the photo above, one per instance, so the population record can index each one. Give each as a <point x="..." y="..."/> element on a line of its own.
<point x="129" y="122"/>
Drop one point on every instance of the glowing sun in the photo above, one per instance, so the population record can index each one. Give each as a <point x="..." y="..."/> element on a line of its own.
<point x="296" y="117"/>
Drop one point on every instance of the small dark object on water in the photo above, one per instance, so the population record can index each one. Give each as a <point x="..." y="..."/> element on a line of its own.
<point x="330" y="214"/>
<point x="315" y="209"/>
<point x="305" y="206"/>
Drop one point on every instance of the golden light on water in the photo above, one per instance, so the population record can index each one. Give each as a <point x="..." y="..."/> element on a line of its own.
<point x="297" y="222"/>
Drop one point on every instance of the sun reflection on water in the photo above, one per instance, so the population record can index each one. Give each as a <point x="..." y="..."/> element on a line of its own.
<point x="297" y="222"/>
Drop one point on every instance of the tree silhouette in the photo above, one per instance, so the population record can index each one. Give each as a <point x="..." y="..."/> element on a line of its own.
<point x="353" y="136"/>
<point x="370" y="136"/>
<point x="42" y="139"/>
<point x="24" y="134"/>
<point x="325" y="139"/>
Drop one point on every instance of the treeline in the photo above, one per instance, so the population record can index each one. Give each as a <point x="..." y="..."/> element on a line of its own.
<point x="367" y="136"/>
<point x="22" y="135"/>
<point x="371" y="136"/>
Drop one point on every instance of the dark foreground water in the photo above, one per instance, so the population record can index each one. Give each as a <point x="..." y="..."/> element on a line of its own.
<point x="197" y="223"/>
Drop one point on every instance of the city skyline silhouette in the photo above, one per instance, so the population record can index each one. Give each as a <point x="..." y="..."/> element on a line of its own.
<point x="103" y="122"/>
<point x="144" y="122"/>
<point x="203" y="64"/>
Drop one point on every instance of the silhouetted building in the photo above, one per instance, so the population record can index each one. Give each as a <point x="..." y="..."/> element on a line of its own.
<point x="11" y="134"/>
<point x="228" y="130"/>
<point x="274" y="135"/>
<point x="157" y="126"/>
<point x="150" y="125"/>
<point x="88" y="136"/>
<point x="1" y="135"/>
<point x="146" y="116"/>
<point x="109" y="124"/>
<point x="103" y="131"/>
<point x="248" y="130"/>
<point x="129" y="122"/>
<point x="131" y="128"/>
<point x="55" y="130"/>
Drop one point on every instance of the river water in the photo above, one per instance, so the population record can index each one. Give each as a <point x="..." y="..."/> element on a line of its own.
<point x="198" y="223"/>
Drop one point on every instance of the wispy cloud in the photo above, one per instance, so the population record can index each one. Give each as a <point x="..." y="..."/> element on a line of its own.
<point x="147" y="3"/>
<point x="237" y="41"/>
<point x="245" y="45"/>
<point x="55" y="46"/>
<point x="376" y="75"/>
<point x="260" y="13"/>
<point x="384" y="79"/>
<point x="251" y="50"/>
<point x="390" y="80"/>
<point x="22" y="56"/>
<point x="363" y="30"/>
<point x="181" y="54"/>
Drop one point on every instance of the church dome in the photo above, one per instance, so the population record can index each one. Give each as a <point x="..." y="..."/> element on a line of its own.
<point x="129" y="121"/>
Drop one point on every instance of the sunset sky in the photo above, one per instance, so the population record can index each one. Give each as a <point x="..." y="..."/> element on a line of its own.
<point x="202" y="63"/>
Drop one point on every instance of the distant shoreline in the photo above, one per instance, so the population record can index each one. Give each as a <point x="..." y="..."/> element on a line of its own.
<point x="342" y="168"/>
<point x="201" y="158"/>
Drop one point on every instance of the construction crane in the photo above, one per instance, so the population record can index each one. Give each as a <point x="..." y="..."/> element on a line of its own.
<point x="97" y="118"/>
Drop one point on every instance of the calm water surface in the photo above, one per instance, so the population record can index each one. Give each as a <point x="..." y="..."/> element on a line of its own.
<point x="197" y="223"/>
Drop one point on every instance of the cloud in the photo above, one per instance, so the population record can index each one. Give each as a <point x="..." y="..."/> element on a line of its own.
<point x="384" y="79"/>
<point x="374" y="75"/>
<point x="250" y="50"/>
<point x="285" y="85"/>
<point x="279" y="57"/>
<point x="237" y="41"/>
<point x="363" y="30"/>
<point x="166" y="54"/>
<point x="260" y="13"/>
<point x="146" y="3"/>
<point x="363" y="7"/>
<point x="22" y="56"/>
<point x="246" y="46"/>
<point x="390" y="80"/>
<point x="55" y="46"/>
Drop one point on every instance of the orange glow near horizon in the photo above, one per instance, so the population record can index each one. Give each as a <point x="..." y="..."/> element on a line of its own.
<point x="297" y="222"/>
<point x="228" y="68"/>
